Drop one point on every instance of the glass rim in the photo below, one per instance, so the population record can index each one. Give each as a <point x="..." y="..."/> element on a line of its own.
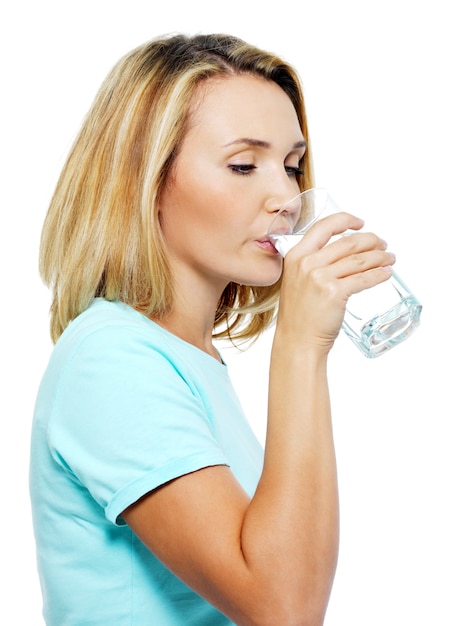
<point x="307" y="215"/>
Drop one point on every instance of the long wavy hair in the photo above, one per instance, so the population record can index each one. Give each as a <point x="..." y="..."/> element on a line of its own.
<point x="101" y="236"/>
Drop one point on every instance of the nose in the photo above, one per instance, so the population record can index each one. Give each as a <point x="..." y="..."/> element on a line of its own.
<point x="283" y="196"/>
<point x="286" y="214"/>
<point x="289" y="205"/>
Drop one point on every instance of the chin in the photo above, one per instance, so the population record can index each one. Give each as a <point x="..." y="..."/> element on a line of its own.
<point x="261" y="281"/>
<point x="256" y="274"/>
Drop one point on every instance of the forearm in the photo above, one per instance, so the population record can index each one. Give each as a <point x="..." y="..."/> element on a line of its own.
<point x="279" y="548"/>
<point x="290" y="532"/>
<point x="268" y="560"/>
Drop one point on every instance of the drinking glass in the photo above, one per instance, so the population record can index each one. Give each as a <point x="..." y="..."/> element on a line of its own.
<point x="376" y="319"/>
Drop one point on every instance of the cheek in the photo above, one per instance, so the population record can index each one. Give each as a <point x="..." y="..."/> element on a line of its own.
<point x="209" y="209"/>
<point x="198" y="203"/>
<point x="192" y="225"/>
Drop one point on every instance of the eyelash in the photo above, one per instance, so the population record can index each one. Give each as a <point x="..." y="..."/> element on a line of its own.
<point x="246" y="170"/>
<point x="296" y="171"/>
<point x="243" y="170"/>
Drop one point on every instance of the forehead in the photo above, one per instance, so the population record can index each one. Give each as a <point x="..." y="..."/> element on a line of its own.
<point x="242" y="103"/>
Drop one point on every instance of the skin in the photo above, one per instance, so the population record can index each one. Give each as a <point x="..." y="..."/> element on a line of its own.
<point x="224" y="193"/>
<point x="236" y="167"/>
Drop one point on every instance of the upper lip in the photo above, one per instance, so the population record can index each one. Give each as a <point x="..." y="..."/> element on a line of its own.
<point x="263" y="239"/>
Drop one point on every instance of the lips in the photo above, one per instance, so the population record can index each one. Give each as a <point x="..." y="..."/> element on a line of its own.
<point x="266" y="244"/>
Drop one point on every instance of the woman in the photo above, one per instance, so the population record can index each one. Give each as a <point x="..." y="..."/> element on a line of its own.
<point x="153" y="502"/>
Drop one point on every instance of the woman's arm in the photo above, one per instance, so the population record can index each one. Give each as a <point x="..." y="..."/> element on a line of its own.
<point x="271" y="560"/>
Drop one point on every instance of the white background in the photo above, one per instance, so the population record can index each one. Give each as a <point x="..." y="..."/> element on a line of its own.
<point x="387" y="87"/>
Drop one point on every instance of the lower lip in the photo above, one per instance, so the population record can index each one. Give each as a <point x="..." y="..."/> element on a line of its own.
<point x="267" y="246"/>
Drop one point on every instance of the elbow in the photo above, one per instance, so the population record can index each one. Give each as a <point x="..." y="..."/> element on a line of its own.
<point x="288" y="619"/>
<point x="284" y="611"/>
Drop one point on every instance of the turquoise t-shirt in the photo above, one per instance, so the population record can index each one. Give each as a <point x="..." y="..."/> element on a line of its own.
<point x="124" y="406"/>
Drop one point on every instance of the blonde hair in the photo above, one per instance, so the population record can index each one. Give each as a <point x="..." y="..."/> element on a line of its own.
<point x="101" y="236"/>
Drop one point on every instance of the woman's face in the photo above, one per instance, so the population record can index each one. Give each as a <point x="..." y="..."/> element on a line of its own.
<point x="237" y="165"/>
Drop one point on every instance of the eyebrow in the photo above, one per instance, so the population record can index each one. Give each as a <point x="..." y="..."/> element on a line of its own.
<point x="262" y="144"/>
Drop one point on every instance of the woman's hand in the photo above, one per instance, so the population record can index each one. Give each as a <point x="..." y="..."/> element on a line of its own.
<point x="286" y="536"/>
<point x="319" y="277"/>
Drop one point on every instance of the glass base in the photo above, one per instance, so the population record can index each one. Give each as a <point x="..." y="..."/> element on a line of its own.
<point x="383" y="332"/>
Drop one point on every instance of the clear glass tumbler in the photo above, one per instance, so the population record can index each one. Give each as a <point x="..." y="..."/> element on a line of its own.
<point x="376" y="319"/>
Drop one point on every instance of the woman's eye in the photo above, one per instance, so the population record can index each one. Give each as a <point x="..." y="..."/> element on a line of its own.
<point x="294" y="171"/>
<point x="244" y="170"/>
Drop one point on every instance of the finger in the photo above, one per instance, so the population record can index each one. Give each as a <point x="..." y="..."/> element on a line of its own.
<point x="322" y="231"/>
<point x="350" y="245"/>
<point x="355" y="283"/>
<point x="363" y="262"/>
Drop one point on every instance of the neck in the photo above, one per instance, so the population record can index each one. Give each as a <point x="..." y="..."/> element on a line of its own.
<point x="192" y="319"/>
<point x="193" y="309"/>
<point x="190" y="331"/>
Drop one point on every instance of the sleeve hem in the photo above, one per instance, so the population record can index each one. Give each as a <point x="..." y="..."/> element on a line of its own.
<point x="156" y="478"/>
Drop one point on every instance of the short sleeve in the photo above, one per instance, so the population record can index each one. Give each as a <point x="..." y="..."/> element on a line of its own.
<point x="127" y="418"/>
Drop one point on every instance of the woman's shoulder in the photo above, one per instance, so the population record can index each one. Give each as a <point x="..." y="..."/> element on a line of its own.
<point x="104" y="314"/>
<point x="112" y="330"/>
<point x="109" y="322"/>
